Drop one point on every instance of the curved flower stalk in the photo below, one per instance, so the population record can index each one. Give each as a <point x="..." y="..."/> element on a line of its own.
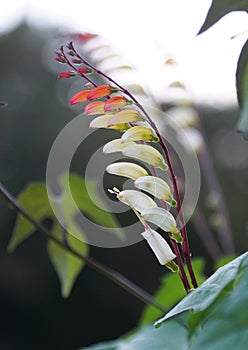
<point x="120" y="116"/>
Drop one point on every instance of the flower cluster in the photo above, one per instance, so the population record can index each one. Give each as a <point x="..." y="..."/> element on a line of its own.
<point x="114" y="107"/>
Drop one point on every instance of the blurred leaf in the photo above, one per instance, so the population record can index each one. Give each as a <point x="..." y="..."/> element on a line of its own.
<point x="35" y="200"/>
<point x="135" y="89"/>
<point x="220" y="8"/>
<point x="201" y="298"/>
<point x="170" y="292"/>
<point x="225" y="327"/>
<point x="66" y="264"/>
<point x="242" y="90"/>
<point x="3" y="104"/>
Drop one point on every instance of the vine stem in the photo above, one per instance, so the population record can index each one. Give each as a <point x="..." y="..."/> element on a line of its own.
<point x="185" y="244"/>
<point x="102" y="269"/>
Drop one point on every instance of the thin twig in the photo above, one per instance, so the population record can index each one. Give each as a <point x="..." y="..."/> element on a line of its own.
<point x="104" y="270"/>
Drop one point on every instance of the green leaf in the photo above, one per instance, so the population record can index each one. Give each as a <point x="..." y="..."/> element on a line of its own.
<point x="205" y="295"/>
<point x="66" y="264"/>
<point x="35" y="200"/>
<point x="171" y="336"/>
<point x="170" y="292"/>
<point x="220" y="8"/>
<point x="242" y="90"/>
<point x="225" y="327"/>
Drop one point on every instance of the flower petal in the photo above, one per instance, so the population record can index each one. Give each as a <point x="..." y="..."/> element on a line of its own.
<point x="115" y="146"/>
<point x="155" y="186"/>
<point x="79" y="97"/>
<point x="101" y="91"/>
<point x="159" y="246"/>
<point x="125" y="116"/>
<point x="137" y="200"/>
<point x="162" y="218"/>
<point x="102" y="122"/>
<point x="115" y="102"/>
<point x="126" y="169"/>
<point x="138" y="133"/>
<point x="147" y="154"/>
<point x="96" y="107"/>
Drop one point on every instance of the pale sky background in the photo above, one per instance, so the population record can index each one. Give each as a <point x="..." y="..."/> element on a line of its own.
<point x="146" y="31"/>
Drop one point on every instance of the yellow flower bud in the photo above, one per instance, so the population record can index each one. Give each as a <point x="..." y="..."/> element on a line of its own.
<point x="139" y="133"/>
<point x="116" y="146"/>
<point x="147" y="154"/>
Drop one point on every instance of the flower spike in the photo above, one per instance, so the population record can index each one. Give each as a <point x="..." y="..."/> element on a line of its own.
<point x="126" y="169"/>
<point x="147" y="154"/>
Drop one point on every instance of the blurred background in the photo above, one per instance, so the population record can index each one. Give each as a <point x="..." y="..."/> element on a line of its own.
<point x="33" y="314"/>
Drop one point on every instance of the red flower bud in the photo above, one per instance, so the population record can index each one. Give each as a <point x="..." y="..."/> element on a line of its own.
<point x="67" y="74"/>
<point x="84" y="70"/>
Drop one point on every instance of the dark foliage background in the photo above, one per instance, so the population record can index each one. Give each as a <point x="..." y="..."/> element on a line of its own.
<point x="33" y="314"/>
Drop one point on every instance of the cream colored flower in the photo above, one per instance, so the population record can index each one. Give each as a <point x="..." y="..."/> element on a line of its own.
<point x="136" y="199"/>
<point x="147" y="154"/>
<point x="126" y="169"/>
<point x="159" y="246"/>
<point x="139" y="133"/>
<point x="155" y="186"/>
<point x="116" y="146"/>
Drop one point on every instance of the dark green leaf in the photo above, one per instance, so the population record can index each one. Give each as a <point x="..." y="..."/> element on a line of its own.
<point x="201" y="298"/>
<point x="170" y="292"/>
<point x="220" y="8"/>
<point x="168" y="337"/>
<point x="242" y="90"/>
<point x="66" y="264"/>
<point x="35" y="200"/>
<point x="224" y="328"/>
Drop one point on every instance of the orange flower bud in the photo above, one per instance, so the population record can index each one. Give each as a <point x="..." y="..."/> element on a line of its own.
<point x="101" y="91"/>
<point x="115" y="102"/>
<point x="79" y="97"/>
<point x="96" y="107"/>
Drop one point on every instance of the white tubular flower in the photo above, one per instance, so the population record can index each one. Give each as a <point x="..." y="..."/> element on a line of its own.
<point x="116" y="146"/>
<point x="164" y="219"/>
<point x="147" y="154"/>
<point x="125" y="116"/>
<point x="126" y="169"/>
<point x="160" y="248"/>
<point x="191" y="139"/>
<point x="139" y="133"/>
<point x="155" y="186"/>
<point x="137" y="200"/>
